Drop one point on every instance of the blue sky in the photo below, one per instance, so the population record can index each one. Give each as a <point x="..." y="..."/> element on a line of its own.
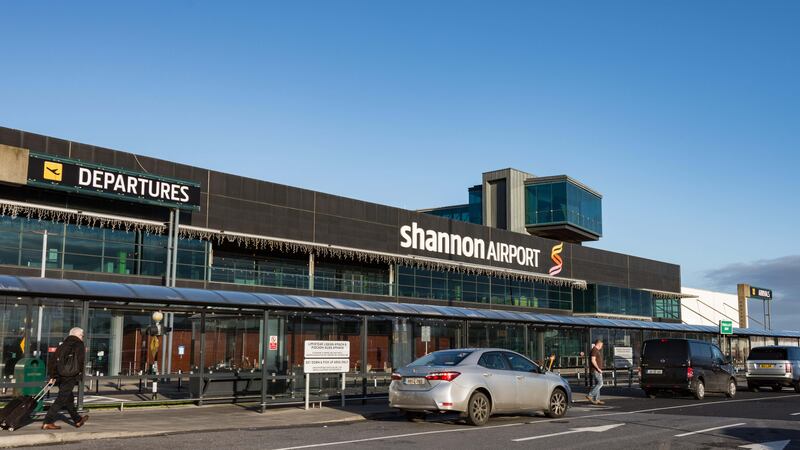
<point x="685" y="115"/>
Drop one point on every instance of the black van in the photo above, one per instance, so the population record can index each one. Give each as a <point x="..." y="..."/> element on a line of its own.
<point x="685" y="365"/>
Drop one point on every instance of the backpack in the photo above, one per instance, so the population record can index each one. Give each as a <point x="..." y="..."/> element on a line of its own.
<point x="67" y="365"/>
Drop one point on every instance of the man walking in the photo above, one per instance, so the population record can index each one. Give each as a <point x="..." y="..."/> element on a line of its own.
<point x="596" y="364"/>
<point x="65" y="369"/>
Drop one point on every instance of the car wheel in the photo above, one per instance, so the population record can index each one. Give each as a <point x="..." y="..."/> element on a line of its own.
<point x="558" y="404"/>
<point x="700" y="390"/>
<point x="777" y="388"/>
<point x="479" y="409"/>
<point x="797" y="387"/>
<point x="649" y="393"/>
<point x="731" y="392"/>
<point x="415" y="416"/>
<point x="752" y="388"/>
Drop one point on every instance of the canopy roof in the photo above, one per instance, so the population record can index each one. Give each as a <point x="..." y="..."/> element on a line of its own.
<point x="140" y="293"/>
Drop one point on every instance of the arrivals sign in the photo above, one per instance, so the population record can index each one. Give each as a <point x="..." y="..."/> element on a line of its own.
<point x="93" y="179"/>
<point x="760" y="293"/>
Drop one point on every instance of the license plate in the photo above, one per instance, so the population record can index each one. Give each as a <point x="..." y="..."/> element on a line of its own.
<point x="655" y="371"/>
<point x="767" y="366"/>
<point x="414" y="380"/>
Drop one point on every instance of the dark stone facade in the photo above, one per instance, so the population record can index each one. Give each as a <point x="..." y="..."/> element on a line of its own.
<point x="234" y="203"/>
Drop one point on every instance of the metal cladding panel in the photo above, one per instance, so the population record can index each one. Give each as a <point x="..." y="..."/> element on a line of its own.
<point x="51" y="286"/>
<point x="242" y="216"/>
<point x="10" y="284"/>
<point x="346" y="232"/>
<point x="654" y="274"/>
<point x="105" y="289"/>
<point x="336" y="206"/>
<point x="155" y="293"/>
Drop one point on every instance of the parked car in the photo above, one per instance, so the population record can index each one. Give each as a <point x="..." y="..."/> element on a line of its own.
<point x="686" y="365"/>
<point x="477" y="383"/>
<point x="774" y="366"/>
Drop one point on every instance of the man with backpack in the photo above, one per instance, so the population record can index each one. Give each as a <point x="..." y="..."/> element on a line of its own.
<point x="65" y="369"/>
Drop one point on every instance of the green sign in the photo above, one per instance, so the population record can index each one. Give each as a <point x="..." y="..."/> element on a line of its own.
<point x="725" y="327"/>
<point x="760" y="293"/>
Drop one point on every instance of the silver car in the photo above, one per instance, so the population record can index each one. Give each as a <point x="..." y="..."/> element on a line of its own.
<point x="774" y="366"/>
<point x="477" y="383"/>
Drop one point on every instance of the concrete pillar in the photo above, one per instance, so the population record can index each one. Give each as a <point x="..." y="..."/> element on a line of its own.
<point x="743" y="290"/>
<point x="115" y="352"/>
<point x="311" y="261"/>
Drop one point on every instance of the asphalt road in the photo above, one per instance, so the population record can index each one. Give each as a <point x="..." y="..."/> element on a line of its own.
<point x="624" y="422"/>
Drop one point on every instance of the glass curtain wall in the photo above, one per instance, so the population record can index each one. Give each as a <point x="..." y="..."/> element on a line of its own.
<point x="418" y="282"/>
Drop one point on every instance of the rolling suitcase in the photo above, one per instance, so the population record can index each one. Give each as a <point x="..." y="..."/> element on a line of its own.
<point x="20" y="409"/>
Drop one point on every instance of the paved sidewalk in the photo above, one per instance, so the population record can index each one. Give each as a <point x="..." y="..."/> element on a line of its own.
<point x="107" y="424"/>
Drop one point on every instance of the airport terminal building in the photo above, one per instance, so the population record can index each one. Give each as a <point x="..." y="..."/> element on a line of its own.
<point x="244" y="271"/>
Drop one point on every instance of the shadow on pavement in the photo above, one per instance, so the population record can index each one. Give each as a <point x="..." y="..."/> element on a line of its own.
<point x="763" y="435"/>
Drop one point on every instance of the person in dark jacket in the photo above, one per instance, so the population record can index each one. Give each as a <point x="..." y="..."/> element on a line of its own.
<point x="73" y="344"/>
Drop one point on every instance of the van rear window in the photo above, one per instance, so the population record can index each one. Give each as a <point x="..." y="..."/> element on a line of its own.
<point x="671" y="351"/>
<point x="768" y="354"/>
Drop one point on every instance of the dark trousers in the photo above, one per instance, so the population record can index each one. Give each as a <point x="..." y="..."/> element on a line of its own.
<point x="65" y="400"/>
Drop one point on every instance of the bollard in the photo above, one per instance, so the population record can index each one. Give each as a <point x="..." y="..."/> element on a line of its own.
<point x="630" y="377"/>
<point x="155" y="389"/>
<point x="614" y="377"/>
<point x="180" y="379"/>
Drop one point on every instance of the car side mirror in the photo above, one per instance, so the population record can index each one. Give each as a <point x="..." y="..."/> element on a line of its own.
<point x="541" y="369"/>
<point x="727" y="360"/>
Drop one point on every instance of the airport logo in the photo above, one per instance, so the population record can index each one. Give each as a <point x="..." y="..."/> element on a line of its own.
<point x="555" y="255"/>
<point x="417" y="238"/>
<point x="53" y="171"/>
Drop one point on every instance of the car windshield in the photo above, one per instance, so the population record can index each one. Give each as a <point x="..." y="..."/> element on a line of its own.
<point x="767" y="353"/>
<point x="442" y="358"/>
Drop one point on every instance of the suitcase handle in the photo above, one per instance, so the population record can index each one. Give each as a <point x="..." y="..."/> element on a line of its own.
<point x="44" y="390"/>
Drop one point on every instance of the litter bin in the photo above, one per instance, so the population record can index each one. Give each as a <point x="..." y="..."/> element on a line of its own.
<point x="30" y="370"/>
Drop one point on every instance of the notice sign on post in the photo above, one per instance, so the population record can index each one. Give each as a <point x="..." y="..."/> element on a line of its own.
<point x="326" y="365"/>
<point x="623" y="357"/>
<point x="327" y="349"/>
<point x="273" y="342"/>
<point x="426" y="333"/>
<point x="725" y="327"/>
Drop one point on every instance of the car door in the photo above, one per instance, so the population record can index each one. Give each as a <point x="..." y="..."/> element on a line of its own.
<point x="721" y="375"/>
<point x="500" y="380"/>
<point x="532" y="386"/>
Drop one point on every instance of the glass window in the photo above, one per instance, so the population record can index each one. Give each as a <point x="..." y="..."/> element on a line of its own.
<point x="443" y="358"/>
<point x="520" y="363"/>
<point x="493" y="360"/>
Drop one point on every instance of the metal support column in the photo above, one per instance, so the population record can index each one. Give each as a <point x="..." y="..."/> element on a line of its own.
<point x="201" y="367"/>
<point x="391" y="279"/>
<point x="364" y="360"/>
<point x="87" y="343"/>
<point x="311" y="263"/>
<point x="526" y="341"/>
<point x="264" y="348"/>
<point x="175" y="226"/>
<point x="168" y="266"/>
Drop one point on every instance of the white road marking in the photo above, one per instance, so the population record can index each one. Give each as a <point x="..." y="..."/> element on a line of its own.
<point x="396" y="436"/>
<point x="794" y="414"/>
<point x="593" y="416"/>
<point x="572" y="431"/>
<point x="711" y="429"/>
<point x="774" y="445"/>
